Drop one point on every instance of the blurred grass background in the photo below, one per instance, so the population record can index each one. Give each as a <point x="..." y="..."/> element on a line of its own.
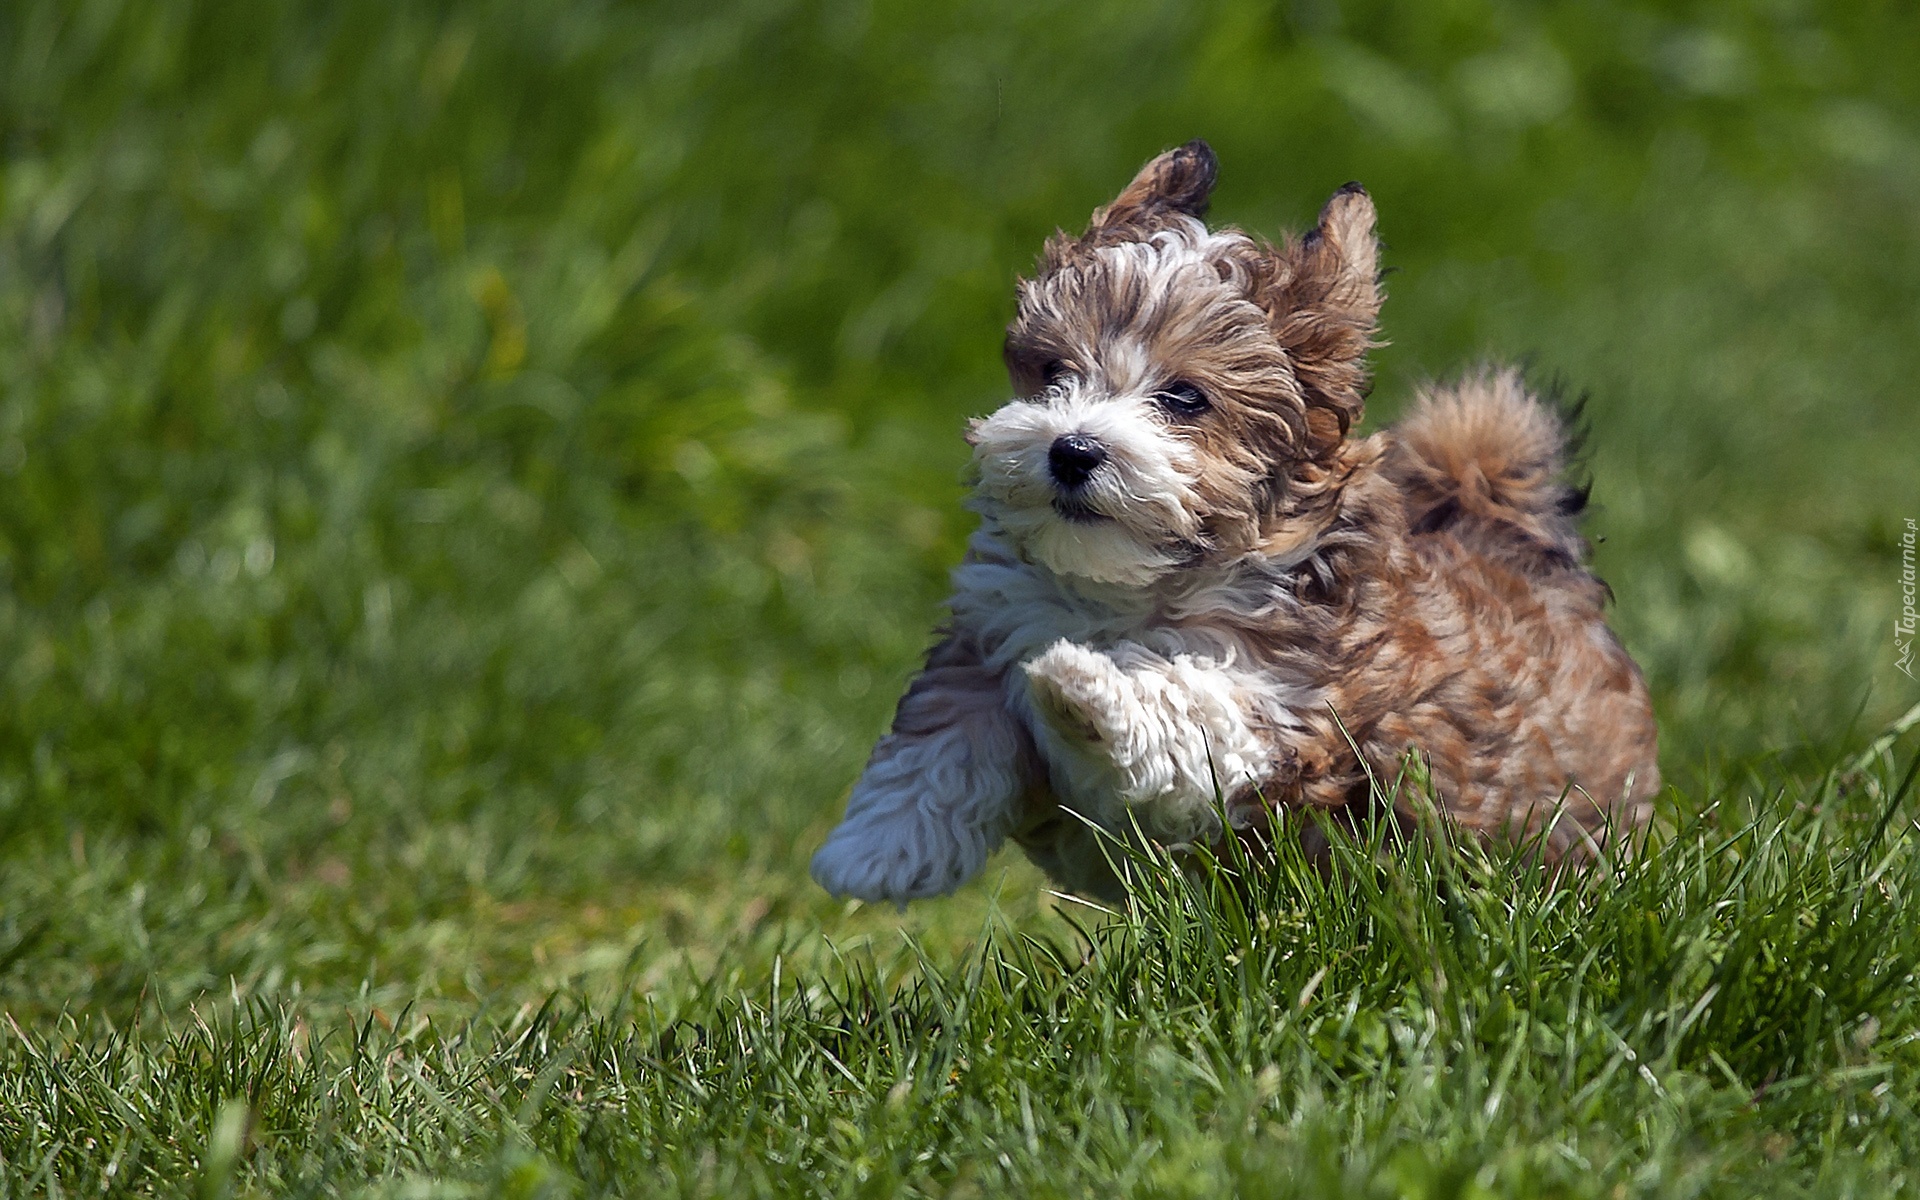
<point x="474" y="479"/>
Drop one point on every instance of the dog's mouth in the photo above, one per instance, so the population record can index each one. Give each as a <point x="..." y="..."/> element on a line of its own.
<point x="1077" y="511"/>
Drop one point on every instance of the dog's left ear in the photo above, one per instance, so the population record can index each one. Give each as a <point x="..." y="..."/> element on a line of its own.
<point x="1177" y="183"/>
<point x="1322" y="293"/>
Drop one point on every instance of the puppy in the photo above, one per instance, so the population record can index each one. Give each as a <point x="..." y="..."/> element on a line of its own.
<point x="1194" y="600"/>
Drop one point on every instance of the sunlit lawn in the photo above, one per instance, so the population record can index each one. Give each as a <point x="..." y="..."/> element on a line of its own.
<point x="474" y="481"/>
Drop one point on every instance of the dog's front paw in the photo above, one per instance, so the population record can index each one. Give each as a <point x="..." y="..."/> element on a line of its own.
<point x="902" y="861"/>
<point x="1079" y="692"/>
<point x="899" y="854"/>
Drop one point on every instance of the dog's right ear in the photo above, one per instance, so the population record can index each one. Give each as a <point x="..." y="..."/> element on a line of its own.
<point x="1177" y="183"/>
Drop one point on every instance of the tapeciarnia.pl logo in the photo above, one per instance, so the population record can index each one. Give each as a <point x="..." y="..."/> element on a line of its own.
<point x="1904" y="623"/>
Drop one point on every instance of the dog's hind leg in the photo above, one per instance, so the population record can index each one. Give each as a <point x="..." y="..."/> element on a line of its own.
<point x="939" y="794"/>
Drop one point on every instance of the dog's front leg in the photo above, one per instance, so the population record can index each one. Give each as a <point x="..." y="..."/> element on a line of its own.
<point x="1172" y="730"/>
<point x="939" y="793"/>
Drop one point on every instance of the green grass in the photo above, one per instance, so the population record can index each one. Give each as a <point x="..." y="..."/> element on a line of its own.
<point x="473" y="481"/>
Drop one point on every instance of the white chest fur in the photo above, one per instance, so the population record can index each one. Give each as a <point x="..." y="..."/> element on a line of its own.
<point x="1138" y="719"/>
<point x="1138" y="716"/>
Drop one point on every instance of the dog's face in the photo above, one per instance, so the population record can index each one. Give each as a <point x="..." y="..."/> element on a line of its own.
<point x="1181" y="392"/>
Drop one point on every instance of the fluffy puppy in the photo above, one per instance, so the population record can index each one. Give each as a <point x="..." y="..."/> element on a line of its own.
<point x="1191" y="585"/>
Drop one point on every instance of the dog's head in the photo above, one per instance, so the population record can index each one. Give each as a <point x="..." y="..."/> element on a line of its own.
<point x="1182" y="393"/>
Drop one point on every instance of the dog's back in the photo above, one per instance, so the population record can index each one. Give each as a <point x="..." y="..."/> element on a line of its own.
<point x="1528" y="704"/>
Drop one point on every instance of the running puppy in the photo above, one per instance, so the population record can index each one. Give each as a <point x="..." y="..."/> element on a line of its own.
<point x="1191" y="584"/>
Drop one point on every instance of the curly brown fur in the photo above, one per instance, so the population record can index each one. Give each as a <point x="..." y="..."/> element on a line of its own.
<point x="1192" y="581"/>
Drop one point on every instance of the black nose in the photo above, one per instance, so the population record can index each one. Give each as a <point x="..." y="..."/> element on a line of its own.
<point x="1074" y="458"/>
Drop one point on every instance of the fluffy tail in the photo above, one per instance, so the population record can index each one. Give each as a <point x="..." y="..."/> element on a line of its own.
<point x="1485" y="452"/>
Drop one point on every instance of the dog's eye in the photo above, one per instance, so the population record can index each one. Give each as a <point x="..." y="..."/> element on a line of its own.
<point x="1053" y="371"/>
<point x="1182" y="399"/>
